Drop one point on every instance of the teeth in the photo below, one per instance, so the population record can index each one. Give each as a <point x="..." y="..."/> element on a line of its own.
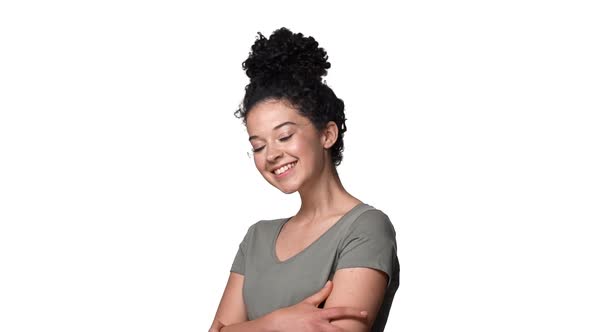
<point x="283" y="169"/>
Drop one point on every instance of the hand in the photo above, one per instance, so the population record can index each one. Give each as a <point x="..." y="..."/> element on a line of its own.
<point x="305" y="316"/>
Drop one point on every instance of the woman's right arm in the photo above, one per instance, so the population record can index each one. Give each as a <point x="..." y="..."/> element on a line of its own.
<point x="304" y="316"/>
<point x="231" y="314"/>
<point x="232" y="309"/>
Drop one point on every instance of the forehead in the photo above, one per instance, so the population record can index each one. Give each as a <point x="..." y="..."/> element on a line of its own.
<point x="266" y="115"/>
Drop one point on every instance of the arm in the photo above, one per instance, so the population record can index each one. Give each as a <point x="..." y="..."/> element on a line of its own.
<point x="366" y="261"/>
<point x="231" y="314"/>
<point x="361" y="288"/>
<point x="303" y="316"/>
<point x="231" y="308"/>
<point x="258" y="325"/>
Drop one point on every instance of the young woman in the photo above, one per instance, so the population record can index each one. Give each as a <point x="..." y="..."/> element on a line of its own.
<point x="333" y="265"/>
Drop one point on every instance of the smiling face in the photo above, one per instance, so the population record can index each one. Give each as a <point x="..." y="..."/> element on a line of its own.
<point x="279" y="136"/>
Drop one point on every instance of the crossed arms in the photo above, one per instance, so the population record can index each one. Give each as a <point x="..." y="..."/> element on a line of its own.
<point x="352" y="291"/>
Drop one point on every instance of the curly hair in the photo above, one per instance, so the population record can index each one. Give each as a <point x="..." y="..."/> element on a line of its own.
<point x="289" y="67"/>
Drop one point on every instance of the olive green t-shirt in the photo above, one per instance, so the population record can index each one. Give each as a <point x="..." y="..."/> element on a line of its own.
<point x="363" y="237"/>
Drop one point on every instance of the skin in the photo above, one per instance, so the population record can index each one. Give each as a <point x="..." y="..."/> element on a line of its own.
<point x="323" y="201"/>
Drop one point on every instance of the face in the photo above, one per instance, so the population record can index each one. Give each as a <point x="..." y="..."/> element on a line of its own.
<point x="279" y="136"/>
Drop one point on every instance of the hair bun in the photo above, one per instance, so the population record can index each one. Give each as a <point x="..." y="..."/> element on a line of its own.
<point x="286" y="56"/>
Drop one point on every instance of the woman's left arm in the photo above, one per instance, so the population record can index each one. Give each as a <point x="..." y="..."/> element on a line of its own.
<point x="366" y="261"/>
<point x="359" y="287"/>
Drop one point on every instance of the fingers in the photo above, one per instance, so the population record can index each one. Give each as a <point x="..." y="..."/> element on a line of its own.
<point x="327" y="327"/>
<point x="320" y="295"/>
<point x="342" y="312"/>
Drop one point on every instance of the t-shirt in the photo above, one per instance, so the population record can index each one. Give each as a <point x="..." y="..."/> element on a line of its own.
<point x="363" y="237"/>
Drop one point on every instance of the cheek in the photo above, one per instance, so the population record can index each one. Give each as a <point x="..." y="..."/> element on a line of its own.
<point x="306" y="149"/>
<point x="300" y="148"/>
<point x="259" y="163"/>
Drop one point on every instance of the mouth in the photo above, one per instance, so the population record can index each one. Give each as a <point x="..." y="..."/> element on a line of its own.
<point x="285" y="170"/>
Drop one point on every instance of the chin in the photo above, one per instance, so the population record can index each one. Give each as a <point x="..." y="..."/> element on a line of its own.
<point x="287" y="186"/>
<point x="288" y="190"/>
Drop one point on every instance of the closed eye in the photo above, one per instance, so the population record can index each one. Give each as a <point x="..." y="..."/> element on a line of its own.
<point x="282" y="139"/>
<point x="285" y="138"/>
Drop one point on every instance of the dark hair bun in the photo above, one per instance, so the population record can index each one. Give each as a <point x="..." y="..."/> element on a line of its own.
<point x="286" y="56"/>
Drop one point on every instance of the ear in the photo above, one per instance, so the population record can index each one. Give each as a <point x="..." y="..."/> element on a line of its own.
<point x="329" y="135"/>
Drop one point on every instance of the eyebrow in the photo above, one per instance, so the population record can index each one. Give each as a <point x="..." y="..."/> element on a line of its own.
<point x="275" y="128"/>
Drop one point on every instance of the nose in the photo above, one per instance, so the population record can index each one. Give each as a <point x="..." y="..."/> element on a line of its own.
<point x="272" y="153"/>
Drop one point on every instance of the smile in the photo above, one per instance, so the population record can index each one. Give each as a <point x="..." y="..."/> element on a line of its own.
<point x="285" y="170"/>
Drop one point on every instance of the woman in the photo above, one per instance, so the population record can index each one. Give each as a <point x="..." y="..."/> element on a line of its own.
<point x="332" y="266"/>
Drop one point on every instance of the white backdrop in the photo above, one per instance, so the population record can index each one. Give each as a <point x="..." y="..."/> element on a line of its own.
<point x="125" y="187"/>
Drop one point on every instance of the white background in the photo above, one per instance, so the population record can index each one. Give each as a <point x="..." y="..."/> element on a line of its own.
<point x="125" y="188"/>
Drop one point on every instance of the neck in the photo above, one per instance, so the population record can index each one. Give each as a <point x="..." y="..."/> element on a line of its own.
<point x="325" y="196"/>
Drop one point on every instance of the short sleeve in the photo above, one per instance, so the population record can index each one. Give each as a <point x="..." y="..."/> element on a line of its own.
<point x="370" y="242"/>
<point x="238" y="266"/>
